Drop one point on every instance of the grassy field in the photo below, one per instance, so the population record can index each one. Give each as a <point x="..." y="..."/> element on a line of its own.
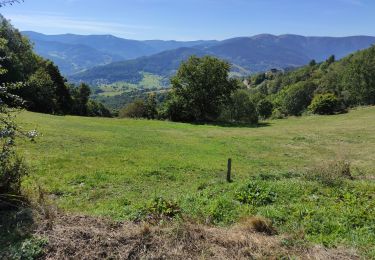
<point x="149" y="81"/>
<point x="116" y="168"/>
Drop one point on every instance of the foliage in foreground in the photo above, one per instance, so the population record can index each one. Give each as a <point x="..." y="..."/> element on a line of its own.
<point x="12" y="167"/>
<point x="44" y="89"/>
<point x="329" y="215"/>
<point x="307" y="205"/>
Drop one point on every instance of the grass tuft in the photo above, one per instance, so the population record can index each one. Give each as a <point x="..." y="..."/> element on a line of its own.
<point x="259" y="224"/>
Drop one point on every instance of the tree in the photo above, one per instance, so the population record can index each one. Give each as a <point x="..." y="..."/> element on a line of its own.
<point x="136" y="109"/>
<point x="39" y="92"/>
<point x="312" y="63"/>
<point x="331" y="59"/>
<point x="97" y="109"/>
<point x="63" y="97"/>
<point x="151" y="107"/>
<point x="240" y="109"/>
<point x="358" y="78"/>
<point x="200" y="88"/>
<point x="265" y="108"/>
<point x="296" y="98"/>
<point x="12" y="167"/>
<point x="17" y="54"/>
<point x="81" y="98"/>
<point x="258" y="78"/>
<point x="324" y="104"/>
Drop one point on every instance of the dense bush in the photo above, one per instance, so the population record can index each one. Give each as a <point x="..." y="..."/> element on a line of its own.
<point x="140" y="108"/>
<point x="351" y="79"/>
<point x="357" y="77"/>
<point x="296" y="98"/>
<point x="264" y="108"/>
<point x="324" y="104"/>
<point x="97" y="109"/>
<point x="240" y="109"/>
<point x="136" y="109"/>
<point x="12" y="167"/>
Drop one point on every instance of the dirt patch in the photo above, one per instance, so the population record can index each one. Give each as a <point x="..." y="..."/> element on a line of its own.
<point x="82" y="237"/>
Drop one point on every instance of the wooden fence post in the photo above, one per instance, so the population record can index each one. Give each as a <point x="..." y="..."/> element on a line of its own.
<point x="229" y="179"/>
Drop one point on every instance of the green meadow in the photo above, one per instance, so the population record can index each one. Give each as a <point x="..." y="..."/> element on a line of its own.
<point x="149" y="81"/>
<point x="117" y="167"/>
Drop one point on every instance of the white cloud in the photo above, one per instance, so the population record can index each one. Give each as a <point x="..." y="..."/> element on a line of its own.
<point x="58" y="23"/>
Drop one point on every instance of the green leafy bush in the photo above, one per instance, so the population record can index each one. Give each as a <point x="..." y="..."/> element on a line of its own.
<point x="278" y="114"/>
<point x="222" y="210"/>
<point x="159" y="209"/>
<point x="265" y="108"/>
<point x="32" y="248"/>
<point x="324" y="104"/>
<point x="140" y="108"/>
<point x="296" y="98"/>
<point x="137" y="109"/>
<point x="256" y="194"/>
<point x="240" y="109"/>
<point x="12" y="167"/>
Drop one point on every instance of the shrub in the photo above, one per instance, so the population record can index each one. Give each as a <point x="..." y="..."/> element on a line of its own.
<point x="32" y="248"/>
<point x="241" y="109"/>
<point x="256" y="194"/>
<point x="140" y="108"/>
<point x="264" y="108"/>
<point x="97" y="109"/>
<point x="278" y="114"/>
<point x="137" y="109"/>
<point x="296" y="98"/>
<point x="159" y="209"/>
<point x="222" y="210"/>
<point x="11" y="173"/>
<point x="330" y="173"/>
<point x="12" y="168"/>
<point x="324" y="104"/>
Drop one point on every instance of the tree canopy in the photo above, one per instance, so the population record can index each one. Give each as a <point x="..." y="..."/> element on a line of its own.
<point x="44" y="89"/>
<point x="199" y="89"/>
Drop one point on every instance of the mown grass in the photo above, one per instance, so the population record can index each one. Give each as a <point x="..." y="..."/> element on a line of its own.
<point x="113" y="167"/>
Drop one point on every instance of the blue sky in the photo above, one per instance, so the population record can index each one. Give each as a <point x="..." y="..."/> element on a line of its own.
<point x="195" y="19"/>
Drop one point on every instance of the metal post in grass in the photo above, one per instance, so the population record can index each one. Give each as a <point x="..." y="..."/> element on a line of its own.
<point x="229" y="172"/>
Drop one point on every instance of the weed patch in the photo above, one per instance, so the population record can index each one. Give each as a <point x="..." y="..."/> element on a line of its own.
<point x="256" y="194"/>
<point x="157" y="210"/>
<point x="331" y="173"/>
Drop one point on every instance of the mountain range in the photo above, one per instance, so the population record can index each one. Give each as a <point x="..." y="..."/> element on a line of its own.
<point x="74" y="53"/>
<point x="108" y="59"/>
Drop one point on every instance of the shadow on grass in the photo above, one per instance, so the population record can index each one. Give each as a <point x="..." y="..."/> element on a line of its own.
<point x="233" y="124"/>
<point x="16" y="227"/>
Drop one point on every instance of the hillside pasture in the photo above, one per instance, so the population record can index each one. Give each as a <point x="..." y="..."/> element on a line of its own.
<point x="120" y="168"/>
